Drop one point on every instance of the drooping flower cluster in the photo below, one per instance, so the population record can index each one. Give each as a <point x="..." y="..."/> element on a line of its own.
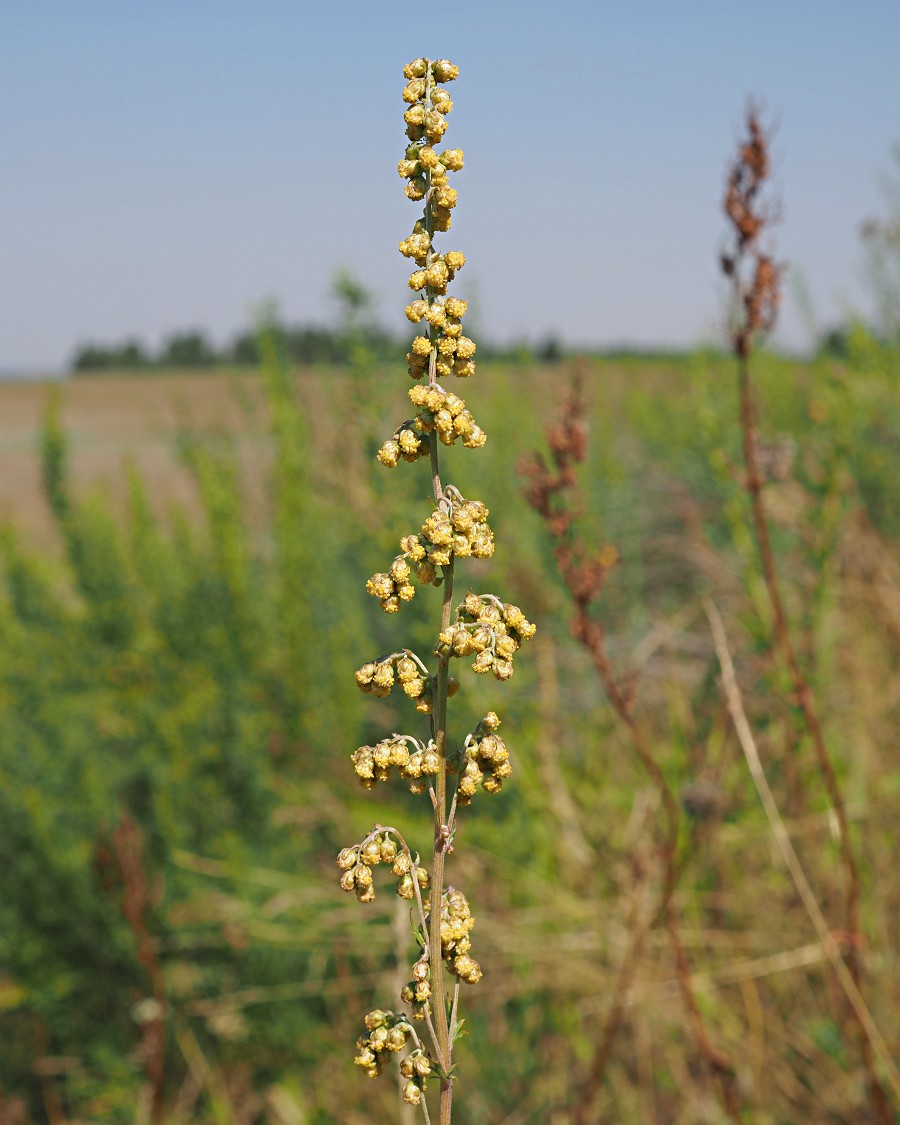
<point x="486" y="758"/>
<point x="377" y="678"/>
<point x="417" y="992"/>
<point x="356" y="865"/>
<point x="446" y="414"/>
<point x="491" y="630"/>
<point x="440" y="412"/>
<point x="373" y="763"/>
<point x="458" y="527"/>
<point x="456" y="925"/>
<point x="389" y="1033"/>
<point x="404" y="443"/>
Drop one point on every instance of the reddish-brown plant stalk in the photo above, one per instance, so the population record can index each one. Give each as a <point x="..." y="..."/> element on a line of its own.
<point x="550" y="492"/>
<point x="122" y="861"/>
<point x="754" y="277"/>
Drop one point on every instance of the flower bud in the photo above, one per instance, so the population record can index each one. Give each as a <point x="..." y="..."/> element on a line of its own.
<point x="452" y="159"/>
<point x="402" y="864"/>
<point x="380" y="586"/>
<point x="422" y="1065"/>
<point x="442" y="101"/>
<point x="384" y="676"/>
<point x="444" y="70"/>
<point x="371" y="853"/>
<point x="413" y="688"/>
<point x="482" y="662"/>
<point x="347" y="858"/>
<point x="414" y="90"/>
<point x="416" y="311"/>
<point x="415" y="189"/>
<point x="389" y="454"/>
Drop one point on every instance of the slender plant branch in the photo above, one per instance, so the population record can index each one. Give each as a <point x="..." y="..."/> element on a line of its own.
<point x="755" y="283"/>
<point x="584" y="575"/>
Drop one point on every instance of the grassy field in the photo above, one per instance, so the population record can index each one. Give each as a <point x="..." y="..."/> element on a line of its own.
<point x="182" y="611"/>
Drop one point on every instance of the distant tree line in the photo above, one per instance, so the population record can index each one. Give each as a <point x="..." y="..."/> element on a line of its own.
<point x="303" y="344"/>
<point x="194" y="349"/>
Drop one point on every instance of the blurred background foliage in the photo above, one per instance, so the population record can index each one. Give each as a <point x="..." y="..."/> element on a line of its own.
<point x="178" y="711"/>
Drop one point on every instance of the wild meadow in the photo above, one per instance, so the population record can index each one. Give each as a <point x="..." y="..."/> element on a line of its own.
<point x="685" y="902"/>
<point x="178" y="642"/>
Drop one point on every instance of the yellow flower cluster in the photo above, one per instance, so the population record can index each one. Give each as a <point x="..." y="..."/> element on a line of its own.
<point x="394" y="587"/>
<point x="453" y="350"/>
<point x="416" y="1068"/>
<point x="425" y="171"/>
<point x="446" y="415"/>
<point x="456" y="925"/>
<point x="356" y="865"/>
<point x="491" y="630"/>
<point x="441" y="270"/>
<point x="458" y="527"/>
<point x="388" y="1033"/>
<point x="405" y="442"/>
<point x="440" y="412"/>
<point x="417" y="992"/>
<point x="486" y="760"/>
<point x="421" y="78"/>
<point x="373" y="763"/>
<point x="377" y="677"/>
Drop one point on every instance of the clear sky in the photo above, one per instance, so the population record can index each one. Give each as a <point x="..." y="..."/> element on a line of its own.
<point x="172" y="164"/>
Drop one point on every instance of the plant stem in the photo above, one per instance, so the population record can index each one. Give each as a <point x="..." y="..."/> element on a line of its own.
<point x="443" y="1046"/>
<point x="439" y="723"/>
<point x="806" y="699"/>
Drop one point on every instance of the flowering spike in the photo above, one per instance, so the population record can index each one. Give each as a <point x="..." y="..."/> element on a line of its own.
<point x="482" y="626"/>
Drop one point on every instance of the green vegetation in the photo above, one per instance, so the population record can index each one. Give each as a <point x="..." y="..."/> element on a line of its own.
<point x="178" y="712"/>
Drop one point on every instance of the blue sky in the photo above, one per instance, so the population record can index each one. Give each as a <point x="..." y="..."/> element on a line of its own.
<point x="169" y="165"/>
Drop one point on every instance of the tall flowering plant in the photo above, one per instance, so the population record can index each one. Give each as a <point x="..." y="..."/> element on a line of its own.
<point x="480" y="626"/>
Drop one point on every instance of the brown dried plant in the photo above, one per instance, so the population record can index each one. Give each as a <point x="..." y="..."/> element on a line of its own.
<point x="754" y="278"/>
<point x="552" y="490"/>
<point x="122" y="865"/>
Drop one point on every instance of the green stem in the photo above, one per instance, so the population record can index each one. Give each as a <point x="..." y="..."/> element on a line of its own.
<point x="443" y="1044"/>
<point x="435" y="959"/>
